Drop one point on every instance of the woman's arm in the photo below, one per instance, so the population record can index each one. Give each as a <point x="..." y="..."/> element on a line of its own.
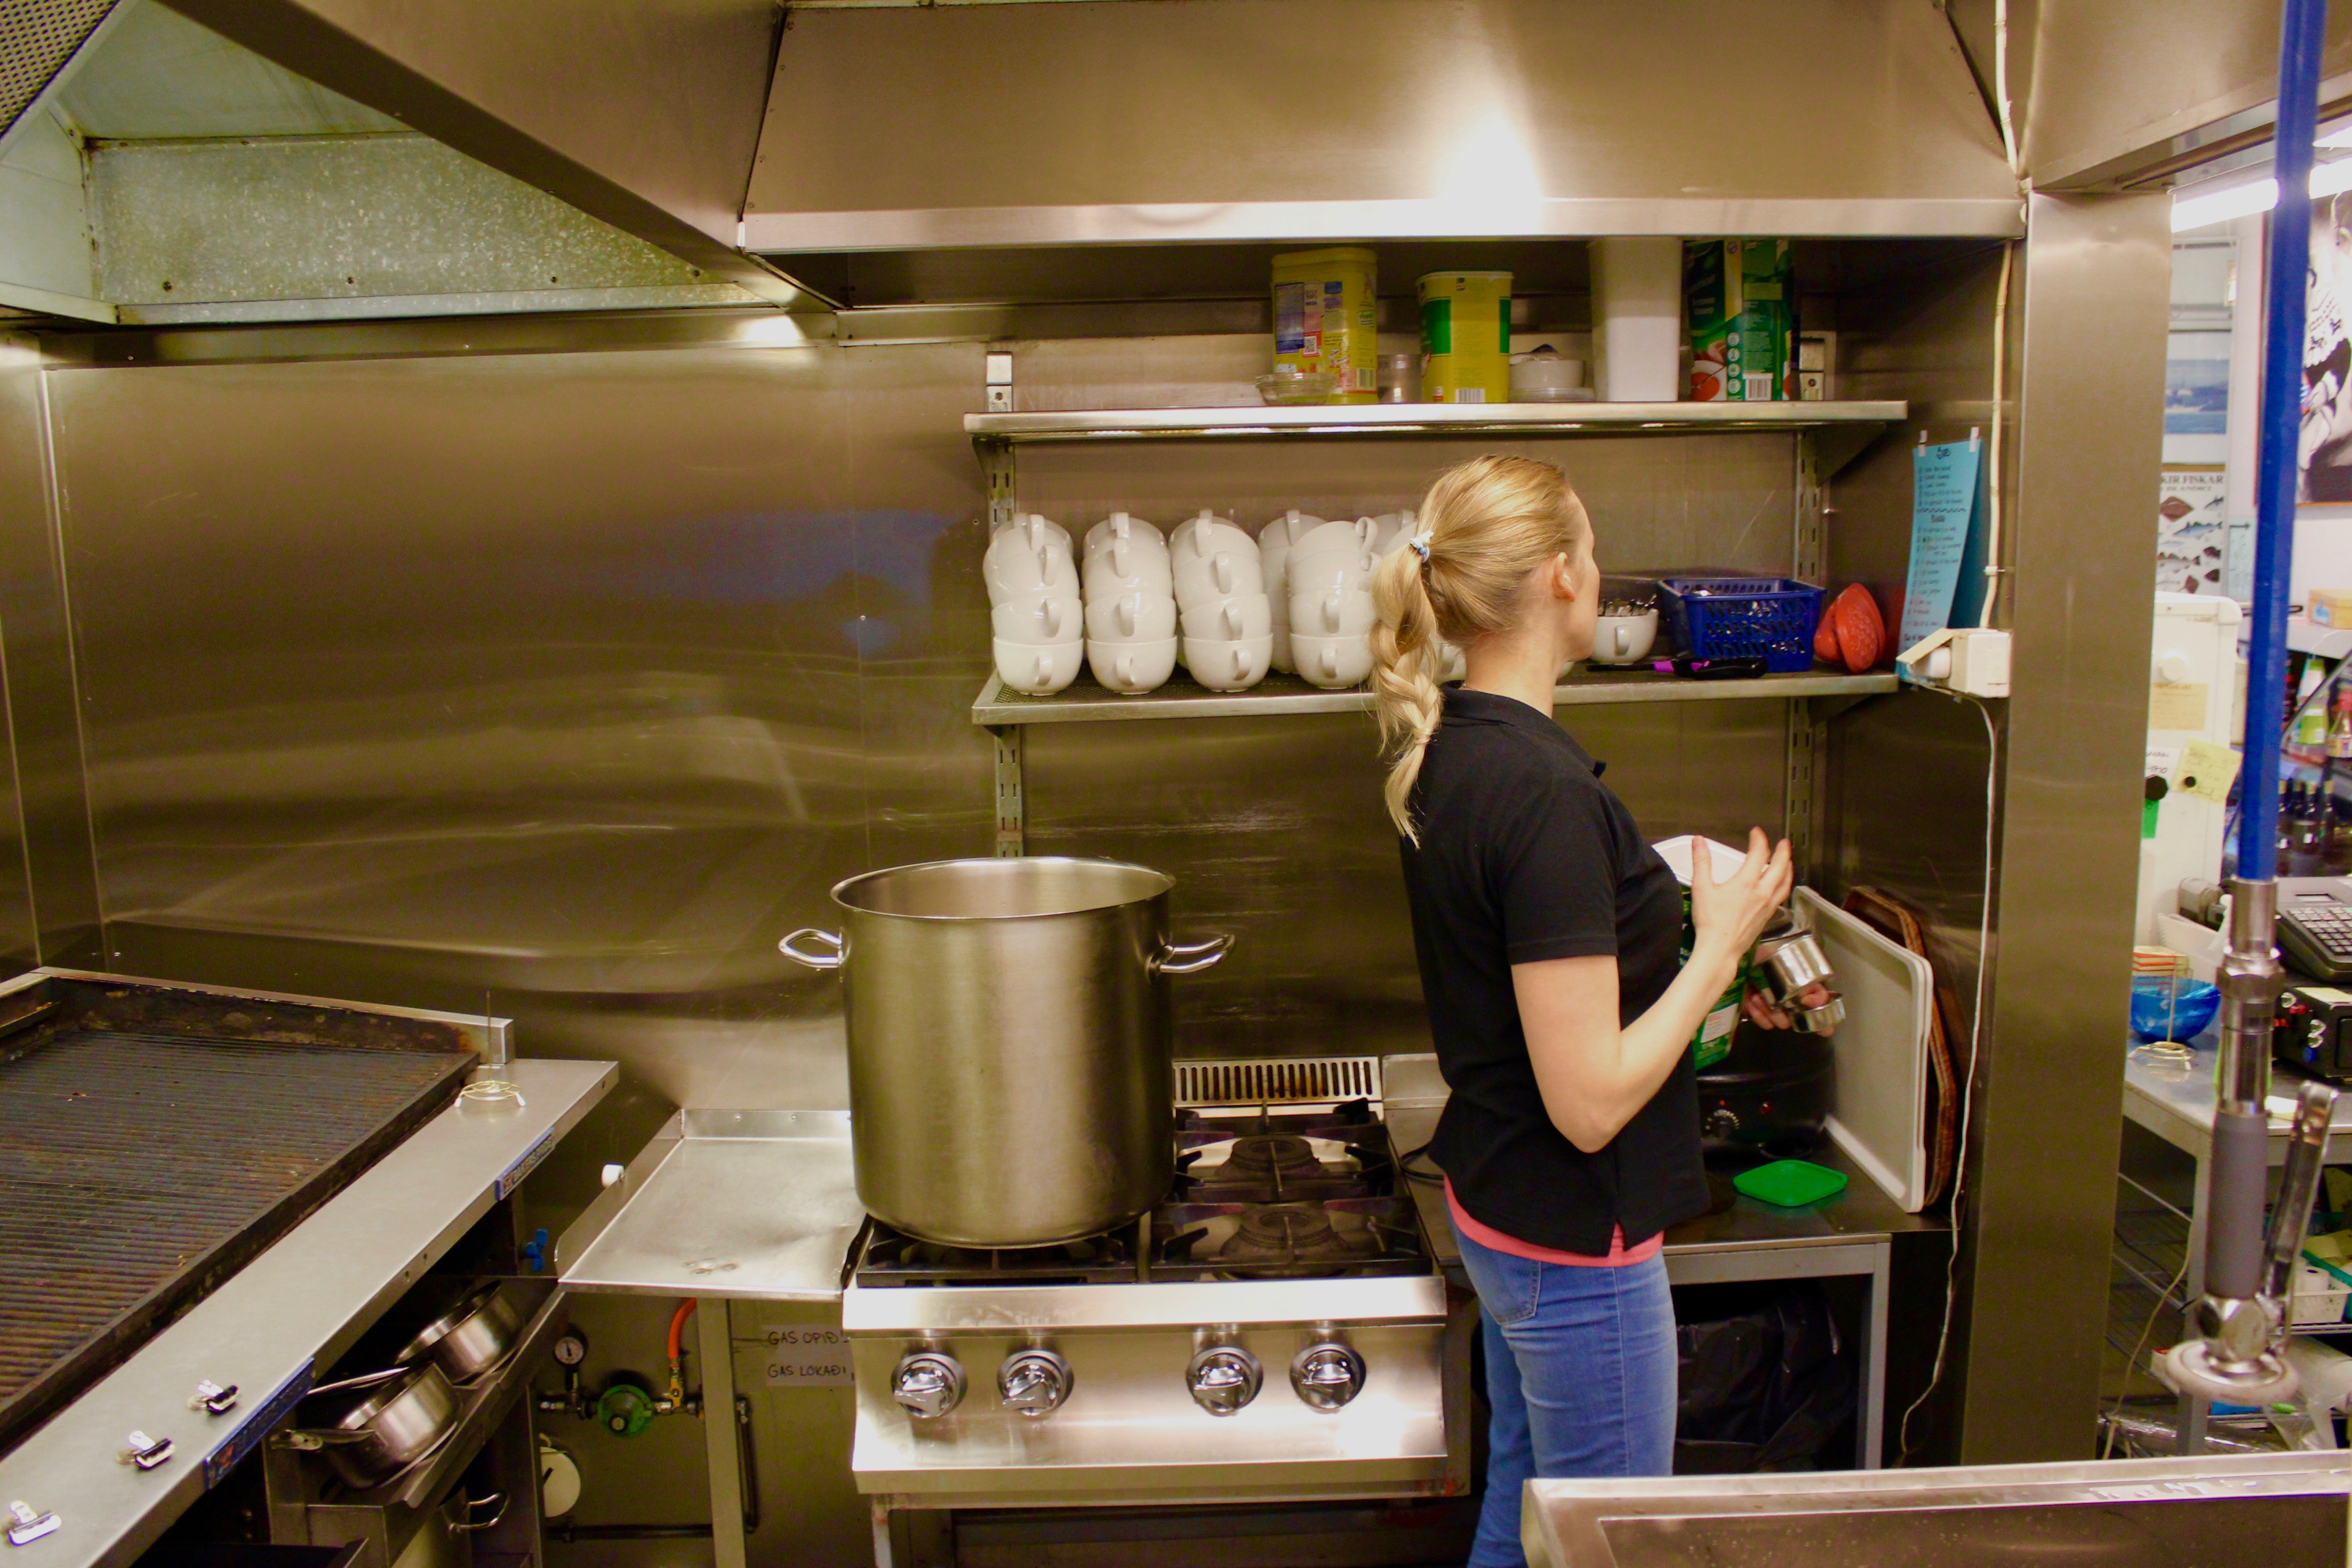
<point x="1594" y="1075"/>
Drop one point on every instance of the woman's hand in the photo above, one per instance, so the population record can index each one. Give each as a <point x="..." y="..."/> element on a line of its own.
<point x="1730" y="915"/>
<point x="1764" y="1014"/>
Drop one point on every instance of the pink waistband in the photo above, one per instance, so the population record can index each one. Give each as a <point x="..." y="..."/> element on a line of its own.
<point x="1619" y="1255"/>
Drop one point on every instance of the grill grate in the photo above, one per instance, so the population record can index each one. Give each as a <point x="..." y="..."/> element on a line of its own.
<point x="36" y="38"/>
<point x="1302" y="1081"/>
<point x="137" y="1171"/>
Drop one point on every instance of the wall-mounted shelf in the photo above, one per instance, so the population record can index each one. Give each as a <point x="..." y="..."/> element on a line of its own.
<point x="1287" y="695"/>
<point x="1840" y="429"/>
<point x="2306" y="636"/>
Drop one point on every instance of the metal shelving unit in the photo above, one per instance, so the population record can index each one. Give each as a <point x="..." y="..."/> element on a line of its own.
<point x="1087" y="702"/>
<point x="1828" y="436"/>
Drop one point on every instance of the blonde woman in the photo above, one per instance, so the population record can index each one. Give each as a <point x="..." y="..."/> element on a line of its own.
<point x="1547" y="933"/>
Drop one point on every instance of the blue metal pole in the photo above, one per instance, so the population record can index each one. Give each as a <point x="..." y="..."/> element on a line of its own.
<point x="2282" y="420"/>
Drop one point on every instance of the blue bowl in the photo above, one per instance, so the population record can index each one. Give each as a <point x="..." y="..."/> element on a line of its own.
<point x="2163" y="1008"/>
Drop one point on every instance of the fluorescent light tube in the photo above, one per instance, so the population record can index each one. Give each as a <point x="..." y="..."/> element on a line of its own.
<point x="2255" y="196"/>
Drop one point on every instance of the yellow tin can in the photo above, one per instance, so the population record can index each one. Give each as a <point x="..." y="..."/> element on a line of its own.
<point x="1324" y="318"/>
<point x="1466" y="337"/>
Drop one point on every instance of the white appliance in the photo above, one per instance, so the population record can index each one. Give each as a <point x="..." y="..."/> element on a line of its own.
<point x="2196" y="694"/>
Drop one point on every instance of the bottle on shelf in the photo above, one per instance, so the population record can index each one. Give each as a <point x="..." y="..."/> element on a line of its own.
<point x="2336" y="860"/>
<point x="2339" y="724"/>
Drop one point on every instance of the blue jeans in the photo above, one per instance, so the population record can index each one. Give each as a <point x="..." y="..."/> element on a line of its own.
<point x="1580" y="1368"/>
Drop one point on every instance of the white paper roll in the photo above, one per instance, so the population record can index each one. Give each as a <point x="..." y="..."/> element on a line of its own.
<point x="1637" y="319"/>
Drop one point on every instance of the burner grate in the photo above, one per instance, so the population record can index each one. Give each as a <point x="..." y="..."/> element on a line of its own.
<point x="1301" y="1080"/>
<point x="137" y="1171"/>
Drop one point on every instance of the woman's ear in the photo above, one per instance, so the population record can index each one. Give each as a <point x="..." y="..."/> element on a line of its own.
<point x="1563" y="576"/>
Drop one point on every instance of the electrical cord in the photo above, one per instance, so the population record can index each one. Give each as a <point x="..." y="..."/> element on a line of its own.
<point x="2131" y="1362"/>
<point x="1967" y="1086"/>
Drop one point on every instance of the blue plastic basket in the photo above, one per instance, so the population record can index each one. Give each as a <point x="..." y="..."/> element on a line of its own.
<point x="1744" y="618"/>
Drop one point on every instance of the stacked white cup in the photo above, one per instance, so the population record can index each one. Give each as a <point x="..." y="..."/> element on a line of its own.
<point x="1130" y="616"/>
<point x="1033" y="598"/>
<point x="1329" y="578"/>
<point x="1392" y="530"/>
<point x="1228" y="621"/>
<point x="1274" y="542"/>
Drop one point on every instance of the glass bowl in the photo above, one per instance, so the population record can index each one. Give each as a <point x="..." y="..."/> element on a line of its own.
<point x="2166" y="1008"/>
<point x="1287" y="388"/>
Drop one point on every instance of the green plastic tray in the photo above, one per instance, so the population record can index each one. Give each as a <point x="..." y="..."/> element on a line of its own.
<point x="1791" y="1184"/>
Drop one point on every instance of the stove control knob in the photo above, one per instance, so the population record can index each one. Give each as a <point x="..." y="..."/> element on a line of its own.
<point x="1722" y="1122"/>
<point x="1034" y="1382"/>
<point x="1326" y="1375"/>
<point x="1223" y="1379"/>
<point x="928" y="1383"/>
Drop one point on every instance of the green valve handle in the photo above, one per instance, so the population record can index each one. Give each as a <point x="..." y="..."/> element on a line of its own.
<point x="624" y="1410"/>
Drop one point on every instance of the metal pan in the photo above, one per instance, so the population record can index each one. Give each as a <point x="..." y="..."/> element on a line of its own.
<point x="403" y="1417"/>
<point x="471" y="1338"/>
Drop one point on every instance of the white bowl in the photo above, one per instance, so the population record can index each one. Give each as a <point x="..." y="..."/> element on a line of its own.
<point x="1131" y="570"/>
<point x="1016" y="566"/>
<point x="1333" y="663"/>
<point x="1222" y="576"/>
<point x="1025" y="667"/>
<point x="1244" y="618"/>
<point x="1138" y="616"/>
<point x="1225" y="665"/>
<point x="1119" y="525"/>
<point x="1624" y="639"/>
<point x="1039" y="619"/>
<point x="1317" y="611"/>
<point x="1132" y="668"/>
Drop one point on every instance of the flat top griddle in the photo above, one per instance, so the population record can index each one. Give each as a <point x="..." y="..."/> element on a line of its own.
<point x="137" y="1171"/>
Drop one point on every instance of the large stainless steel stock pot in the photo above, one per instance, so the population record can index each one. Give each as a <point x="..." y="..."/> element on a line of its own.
<point x="1011" y="1060"/>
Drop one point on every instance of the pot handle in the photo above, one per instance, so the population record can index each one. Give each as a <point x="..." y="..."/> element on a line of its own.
<point x="814" y="960"/>
<point x="1192" y="957"/>
<point x="464" y="1523"/>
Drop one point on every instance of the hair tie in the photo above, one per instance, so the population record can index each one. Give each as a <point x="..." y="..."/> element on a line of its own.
<point x="1420" y="543"/>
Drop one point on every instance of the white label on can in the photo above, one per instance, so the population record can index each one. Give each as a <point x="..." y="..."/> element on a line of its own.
<point x="1470" y="394"/>
<point x="806" y="1355"/>
<point x="1720" y="1022"/>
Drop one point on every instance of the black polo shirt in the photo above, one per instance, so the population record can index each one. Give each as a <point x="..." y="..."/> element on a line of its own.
<point x="1525" y="854"/>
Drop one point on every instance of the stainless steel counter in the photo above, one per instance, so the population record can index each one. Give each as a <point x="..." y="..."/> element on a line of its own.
<point x="297" y="1306"/>
<point x="2176" y="1103"/>
<point x="755" y="1205"/>
<point x="2164" y="1514"/>
<point x="1850" y="1235"/>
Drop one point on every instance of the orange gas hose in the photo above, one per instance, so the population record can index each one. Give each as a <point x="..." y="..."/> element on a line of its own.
<point x="678" y="1326"/>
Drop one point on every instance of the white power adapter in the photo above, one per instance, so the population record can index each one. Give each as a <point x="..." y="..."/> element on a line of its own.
<point x="1970" y="659"/>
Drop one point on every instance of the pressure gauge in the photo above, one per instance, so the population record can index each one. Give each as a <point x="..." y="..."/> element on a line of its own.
<point x="572" y="1348"/>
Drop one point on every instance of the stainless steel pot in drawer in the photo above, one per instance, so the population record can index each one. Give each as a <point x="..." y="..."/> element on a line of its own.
<point x="1010" y="1053"/>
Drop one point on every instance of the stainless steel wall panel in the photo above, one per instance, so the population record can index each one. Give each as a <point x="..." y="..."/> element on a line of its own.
<point x="1024" y="124"/>
<point x="52" y="824"/>
<point x="2097" y="274"/>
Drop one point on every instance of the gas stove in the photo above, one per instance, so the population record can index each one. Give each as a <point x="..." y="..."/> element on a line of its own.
<point x="1274" y="1329"/>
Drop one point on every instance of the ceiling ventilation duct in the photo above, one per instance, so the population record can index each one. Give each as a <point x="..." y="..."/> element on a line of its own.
<point x="36" y="38"/>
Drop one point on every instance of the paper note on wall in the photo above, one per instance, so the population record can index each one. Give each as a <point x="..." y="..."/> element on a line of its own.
<point x="2176" y="704"/>
<point x="2207" y="769"/>
<point x="804" y="1355"/>
<point x="1945" y="582"/>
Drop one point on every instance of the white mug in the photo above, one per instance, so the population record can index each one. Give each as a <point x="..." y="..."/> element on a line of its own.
<point x="1140" y="616"/>
<point x="1226" y="666"/>
<point x="1244" y="617"/>
<point x="1015" y="567"/>
<point x="1132" y="668"/>
<point x="1332" y="662"/>
<point x="1218" y="576"/>
<point x="1119" y="525"/>
<point x="1038" y="618"/>
<point x="1038" y="670"/>
<point x="1130" y="567"/>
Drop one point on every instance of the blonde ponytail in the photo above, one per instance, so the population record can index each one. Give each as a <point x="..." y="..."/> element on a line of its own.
<point x="1486" y="526"/>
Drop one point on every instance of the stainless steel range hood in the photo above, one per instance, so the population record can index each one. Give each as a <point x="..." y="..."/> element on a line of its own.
<point x="1009" y="125"/>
